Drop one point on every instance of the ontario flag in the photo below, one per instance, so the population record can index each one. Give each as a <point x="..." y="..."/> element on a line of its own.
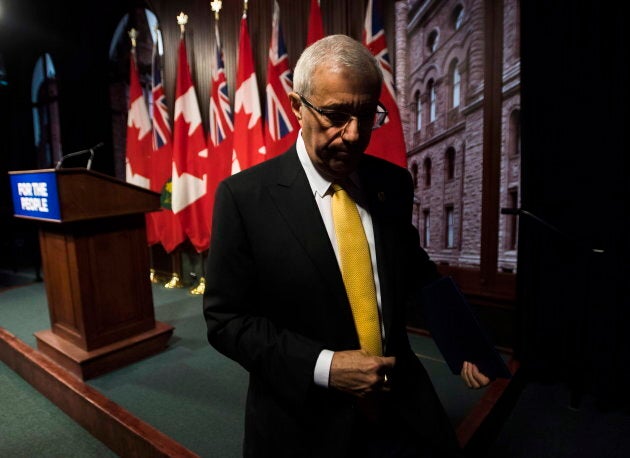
<point x="190" y="200"/>
<point x="281" y="127"/>
<point x="167" y="226"/>
<point x="315" y="24"/>
<point x="138" y="148"/>
<point x="249" y="146"/>
<point x="388" y="142"/>
<point x="221" y="135"/>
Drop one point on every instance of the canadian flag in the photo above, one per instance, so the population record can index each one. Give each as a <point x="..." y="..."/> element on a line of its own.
<point x="249" y="146"/>
<point x="190" y="200"/>
<point x="221" y="135"/>
<point x="139" y="144"/>
<point x="315" y="24"/>
<point x="388" y="142"/>
<point x="281" y="127"/>
<point x="138" y="151"/>
<point x="166" y="224"/>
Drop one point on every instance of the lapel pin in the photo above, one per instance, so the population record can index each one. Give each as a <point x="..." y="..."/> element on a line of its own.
<point x="381" y="196"/>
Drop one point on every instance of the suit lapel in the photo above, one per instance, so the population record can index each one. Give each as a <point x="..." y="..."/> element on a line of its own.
<point x="294" y="199"/>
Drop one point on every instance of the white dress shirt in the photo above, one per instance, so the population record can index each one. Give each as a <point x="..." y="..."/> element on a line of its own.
<point x="322" y="194"/>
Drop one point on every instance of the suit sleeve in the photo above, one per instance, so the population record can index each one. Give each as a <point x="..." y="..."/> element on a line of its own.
<point x="237" y="324"/>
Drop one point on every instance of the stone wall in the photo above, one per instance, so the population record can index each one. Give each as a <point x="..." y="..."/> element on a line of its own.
<point x="459" y="128"/>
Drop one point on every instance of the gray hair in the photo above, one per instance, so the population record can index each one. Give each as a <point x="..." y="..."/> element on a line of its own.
<point x="336" y="51"/>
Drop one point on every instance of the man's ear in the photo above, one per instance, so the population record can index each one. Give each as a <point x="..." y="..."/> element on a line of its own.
<point x="296" y="104"/>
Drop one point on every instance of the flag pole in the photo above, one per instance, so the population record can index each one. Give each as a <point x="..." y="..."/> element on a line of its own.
<point x="133" y="36"/>
<point x="216" y="6"/>
<point x="155" y="278"/>
<point x="175" y="281"/>
<point x="200" y="288"/>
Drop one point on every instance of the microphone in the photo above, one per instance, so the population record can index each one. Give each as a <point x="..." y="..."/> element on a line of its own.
<point x="520" y="211"/>
<point x="79" y="153"/>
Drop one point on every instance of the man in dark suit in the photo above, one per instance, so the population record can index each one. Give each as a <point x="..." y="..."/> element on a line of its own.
<point x="277" y="302"/>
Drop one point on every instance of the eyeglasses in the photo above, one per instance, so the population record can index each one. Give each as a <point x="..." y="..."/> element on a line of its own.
<point x="341" y="119"/>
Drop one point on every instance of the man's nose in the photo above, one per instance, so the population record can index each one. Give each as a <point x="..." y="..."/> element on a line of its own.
<point x="351" y="131"/>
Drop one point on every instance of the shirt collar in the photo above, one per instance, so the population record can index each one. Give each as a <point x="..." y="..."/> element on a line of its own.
<point x="319" y="185"/>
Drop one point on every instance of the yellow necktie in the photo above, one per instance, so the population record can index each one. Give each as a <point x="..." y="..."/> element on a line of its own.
<point x="356" y="270"/>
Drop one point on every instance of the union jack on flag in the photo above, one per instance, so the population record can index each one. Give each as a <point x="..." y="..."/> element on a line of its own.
<point x="221" y="131"/>
<point x="388" y="142"/>
<point x="281" y="125"/>
<point x="374" y="39"/>
<point x="221" y="124"/>
<point x="165" y="224"/>
<point x="161" y="128"/>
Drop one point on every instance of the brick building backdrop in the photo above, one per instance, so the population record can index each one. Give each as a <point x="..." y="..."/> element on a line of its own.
<point x="440" y="80"/>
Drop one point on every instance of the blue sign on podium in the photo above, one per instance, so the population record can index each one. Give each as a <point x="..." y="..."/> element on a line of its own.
<point x="35" y="195"/>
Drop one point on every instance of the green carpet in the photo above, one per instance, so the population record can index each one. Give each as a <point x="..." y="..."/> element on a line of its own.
<point x="189" y="391"/>
<point x="32" y="426"/>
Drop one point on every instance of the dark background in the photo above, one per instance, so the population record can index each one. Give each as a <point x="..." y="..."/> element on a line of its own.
<point x="573" y="303"/>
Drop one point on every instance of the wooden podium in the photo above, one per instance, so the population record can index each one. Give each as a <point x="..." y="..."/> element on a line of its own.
<point x="95" y="261"/>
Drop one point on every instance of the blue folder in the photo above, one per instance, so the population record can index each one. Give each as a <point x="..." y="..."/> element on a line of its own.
<point x="457" y="332"/>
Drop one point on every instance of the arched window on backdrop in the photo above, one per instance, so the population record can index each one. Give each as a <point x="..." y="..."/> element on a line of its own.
<point x="432" y="42"/>
<point x="44" y="97"/>
<point x="458" y="17"/>
<point x="414" y="174"/>
<point x="449" y="163"/>
<point x="417" y="107"/>
<point x="427" y="172"/>
<point x="456" y="83"/>
<point x="449" y="226"/>
<point x="146" y="24"/>
<point x="432" y="101"/>
<point x="426" y="228"/>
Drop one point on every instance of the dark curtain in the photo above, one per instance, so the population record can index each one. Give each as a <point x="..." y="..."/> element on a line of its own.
<point x="574" y="302"/>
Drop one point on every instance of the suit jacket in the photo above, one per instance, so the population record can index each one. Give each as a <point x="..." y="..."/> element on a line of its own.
<point x="275" y="298"/>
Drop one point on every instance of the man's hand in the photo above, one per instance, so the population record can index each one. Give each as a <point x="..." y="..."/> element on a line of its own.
<point x="358" y="373"/>
<point x="472" y="377"/>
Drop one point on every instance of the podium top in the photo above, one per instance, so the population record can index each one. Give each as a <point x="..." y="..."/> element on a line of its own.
<point x="76" y="194"/>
